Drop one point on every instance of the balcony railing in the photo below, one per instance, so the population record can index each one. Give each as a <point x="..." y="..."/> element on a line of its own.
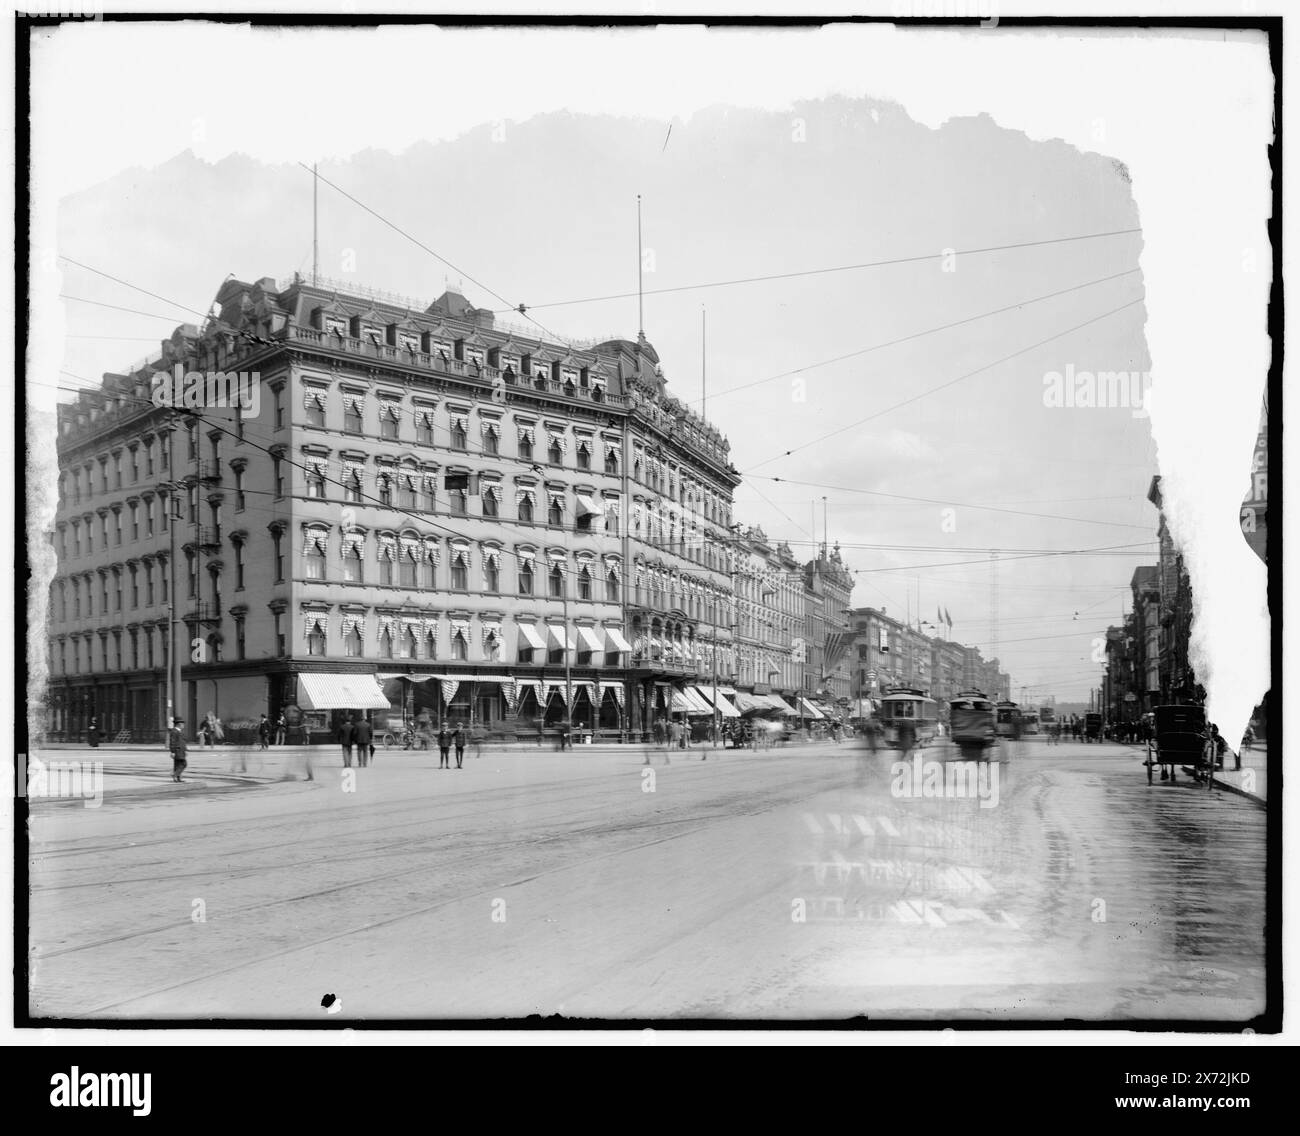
<point x="202" y="611"/>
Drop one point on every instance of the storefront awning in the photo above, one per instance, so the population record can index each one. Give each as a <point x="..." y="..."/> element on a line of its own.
<point x="529" y="632"/>
<point x="810" y="710"/>
<point x="781" y="705"/>
<point x="745" y="702"/>
<point x="725" y="708"/>
<point x="341" y="692"/>
<point x="615" y="636"/>
<point x="409" y="678"/>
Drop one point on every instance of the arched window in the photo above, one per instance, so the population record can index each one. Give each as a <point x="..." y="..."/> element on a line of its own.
<point x="459" y="439"/>
<point x="386" y="644"/>
<point x="611" y="460"/>
<point x="352" y="568"/>
<point x="407" y="567"/>
<point x="492" y="572"/>
<point x="316" y="638"/>
<point x="460" y="571"/>
<point x="385" y="484"/>
<point x="352" y="642"/>
<point x="584" y="583"/>
<point x="408" y="643"/>
<point x="490" y="506"/>
<point x="525" y="577"/>
<point x="430" y="645"/>
<point x="554" y="452"/>
<point x="459" y="648"/>
<point x="555" y="514"/>
<point x="611" y="586"/>
<point x="352" y="485"/>
<point x="584" y="455"/>
<point x="556" y="579"/>
<point x="526" y="508"/>
<point x="314" y="554"/>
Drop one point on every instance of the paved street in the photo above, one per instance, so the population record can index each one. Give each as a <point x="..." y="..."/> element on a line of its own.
<point x="784" y="884"/>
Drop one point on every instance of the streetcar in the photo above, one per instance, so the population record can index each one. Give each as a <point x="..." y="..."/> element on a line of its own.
<point x="1008" y="719"/>
<point x="1047" y="718"/>
<point x="906" y="705"/>
<point x="972" y="719"/>
<point x="1029" y="721"/>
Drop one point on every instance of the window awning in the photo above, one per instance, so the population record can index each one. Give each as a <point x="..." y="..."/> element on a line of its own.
<point x="590" y="638"/>
<point x="615" y="636"/>
<point x="341" y="692"/>
<point x="779" y="703"/>
<point x="560" y="638"/>
<point x="588" y="507"/>
<point x="529" y="632"/>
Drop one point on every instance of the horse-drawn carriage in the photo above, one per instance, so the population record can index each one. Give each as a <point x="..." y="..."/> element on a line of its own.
<point x="1179" y="738"/>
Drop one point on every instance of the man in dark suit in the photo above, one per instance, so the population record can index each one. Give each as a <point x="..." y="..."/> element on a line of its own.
<point x="347" y="735"/>
<point x="458" y="739"/>
<point x="176" y="743"/>
<point x="363" y="736"/>
<point x="444" y="744"/>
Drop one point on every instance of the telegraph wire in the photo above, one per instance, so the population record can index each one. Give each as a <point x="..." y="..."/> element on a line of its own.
<point x="951" y="382"/>
<point x="920" y="334"/>
<point x="522" y="308"/>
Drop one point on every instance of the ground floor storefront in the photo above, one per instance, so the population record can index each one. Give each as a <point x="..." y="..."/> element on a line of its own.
<point x="307" y="702"/>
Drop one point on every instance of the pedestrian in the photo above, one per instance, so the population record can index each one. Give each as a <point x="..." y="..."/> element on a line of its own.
<point x="347" y="734"/>
<point x="263" y="732"/>
<point x="907" y="736"/>
<point x="1221" y="747"/>
<point x="444" y="744"/>
<point x="218" y="733"/>
<point x="541" y="731"/>
<point x="658" y="730"/>
<point x="477" y="736"/>
<point x="458" y="738"/>
<point x="363" y="736"/>
<point x="92" y="733"/>
<point x="176" y="744"/>
<point x="281" y="730"/>
<point x="1247" y="739"/>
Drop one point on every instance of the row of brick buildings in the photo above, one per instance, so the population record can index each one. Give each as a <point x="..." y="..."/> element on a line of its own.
<point x="884" y="652"/>
<point x="418" y="510"/>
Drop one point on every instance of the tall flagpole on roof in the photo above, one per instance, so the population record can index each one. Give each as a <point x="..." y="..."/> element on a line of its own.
<point x="315" y="245"/>
<point x="640" y="301"/>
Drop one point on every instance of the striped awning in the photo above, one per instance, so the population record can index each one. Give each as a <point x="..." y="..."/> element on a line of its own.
<point x="810" y="710"/>
<point x="725" y="708"/>
<point x="341" y="692"/>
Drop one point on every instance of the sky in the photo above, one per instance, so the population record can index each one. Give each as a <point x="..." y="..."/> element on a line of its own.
<point x="917" y="457"/>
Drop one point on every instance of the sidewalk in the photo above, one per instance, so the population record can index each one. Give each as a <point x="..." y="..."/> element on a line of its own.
<point x="1252" y="779"/>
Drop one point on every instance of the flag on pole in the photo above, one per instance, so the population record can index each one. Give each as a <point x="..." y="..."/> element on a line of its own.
<point x="947" y="618"/>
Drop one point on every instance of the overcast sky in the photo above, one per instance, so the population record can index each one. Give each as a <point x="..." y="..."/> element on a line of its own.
<point x="541" y="208"/>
